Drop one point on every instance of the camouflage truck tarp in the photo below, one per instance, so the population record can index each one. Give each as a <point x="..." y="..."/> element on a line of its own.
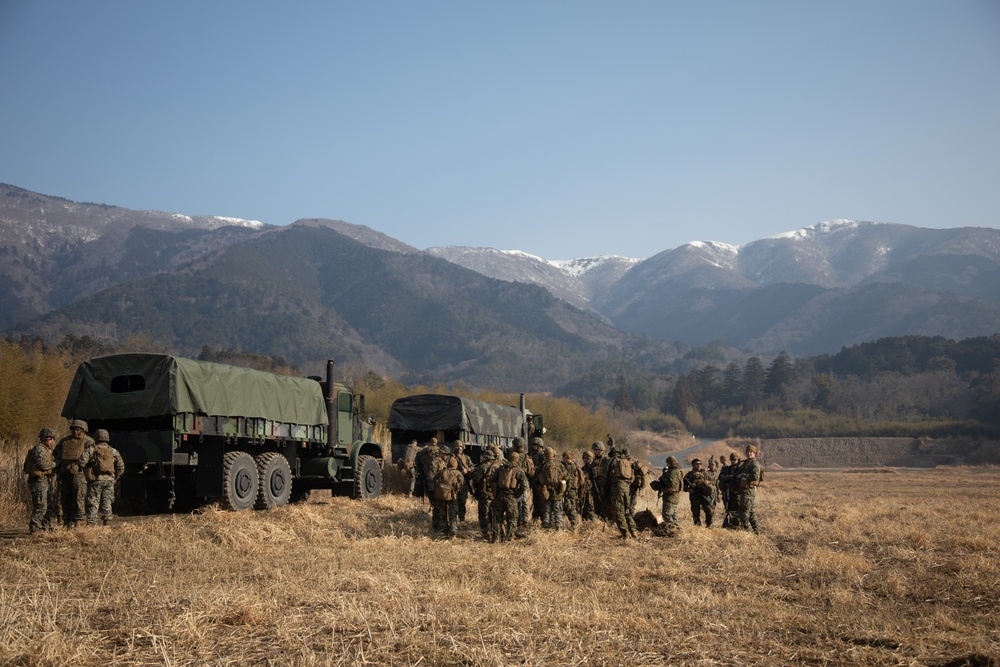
<point x="123" y="386"/>
<point x="439" y="412"/>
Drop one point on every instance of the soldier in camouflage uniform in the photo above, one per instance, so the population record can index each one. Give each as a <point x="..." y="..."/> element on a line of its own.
<point x="699" y="484"/>
<point x="748" y="478"/>
<point x="464" y="467"/>
<point x="39" y="466"/>
<point x="72" y="483"/>
<point x="620" y="474"/>
<point x="509" y="483"/>
<point x="551" y="482"/>
<point x="640" y="473"/>
<point x="447" y="485"/>
<point x="586" y="491"/>
<point x="598" y="478"/>
<point x="575" y="481"/>
<point x="727" y="489"/>
<point x="671" y="483"/>
<point x="102" y="465"/>
<point x="407" y="465"/>
<point x="420" y="461"/>
<point x="527" y="466"/>
<point x="482" y="489"/>
<point x="536" y="447"/>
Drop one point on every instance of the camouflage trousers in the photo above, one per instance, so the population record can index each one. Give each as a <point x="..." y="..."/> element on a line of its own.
<point x="552" y="511"/>
<point x="484" y="515"/>
<point x="569" y="504"/>
<point x="444" y="516"/>
<point x="670" y="505"/>
<point x="699" y="504"/>
<point x="40" y="488"/>
<point x="621" y="513"/>
<point x="523" y="509"/>
<point x="100" y="498"/>
<point x="587" y="512"/>
<point x="505" y="517"/>
<point x="748" y="514"/>
<point x="73" y="496"/>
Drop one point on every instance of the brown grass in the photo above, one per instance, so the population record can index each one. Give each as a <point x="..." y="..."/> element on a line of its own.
<point x="899" y="569"/>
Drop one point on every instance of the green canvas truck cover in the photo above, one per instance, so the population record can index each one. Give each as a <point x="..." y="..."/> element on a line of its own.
<point x="439" y="412"/>
<point x="123" y="386"/>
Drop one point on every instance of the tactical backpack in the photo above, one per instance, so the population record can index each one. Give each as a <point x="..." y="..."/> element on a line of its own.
<point x="549" y="475"/>
<point x="444" y="485"/>
<point x="104" y="460"/>
<point x="507" y="478"/>
<point x="638" y="475"/>
<point x="622" y="469"/>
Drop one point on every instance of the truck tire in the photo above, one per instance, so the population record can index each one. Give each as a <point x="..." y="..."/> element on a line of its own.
<point x="367" y="478"/>
<point x="239" y="481"/>
<point x="274" y="481"/>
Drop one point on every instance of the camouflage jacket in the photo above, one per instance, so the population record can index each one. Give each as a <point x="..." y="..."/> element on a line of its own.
<point x="749" y="475"/>
<point x="671" y="482"/>
<point x="481" y="488"/>
<point x="89" y="463"/>
<point x="39" y="461"/>
<point x="699" y="482"/>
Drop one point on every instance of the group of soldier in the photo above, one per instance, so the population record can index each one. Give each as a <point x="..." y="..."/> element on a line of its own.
<point x="72" y="481"/>
<point x="519" y="488"/>
<point x="734" y="482"/>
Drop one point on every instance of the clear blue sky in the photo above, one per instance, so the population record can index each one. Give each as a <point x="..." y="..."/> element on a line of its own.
<point x="564" y="129"/>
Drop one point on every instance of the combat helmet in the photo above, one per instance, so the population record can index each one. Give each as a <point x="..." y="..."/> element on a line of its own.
<point x="100" y="435"/>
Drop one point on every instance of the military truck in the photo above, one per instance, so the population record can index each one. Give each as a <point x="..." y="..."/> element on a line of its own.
<point x="192" y="431"/>
<point x="448" y="418"/>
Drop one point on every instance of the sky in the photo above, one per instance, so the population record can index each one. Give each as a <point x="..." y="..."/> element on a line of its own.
<point x="560" y="128"/>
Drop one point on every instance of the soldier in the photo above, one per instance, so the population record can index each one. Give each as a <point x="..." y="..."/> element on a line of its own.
<point x="699" y="484"/>
<point x="424" y="455"/>
<point x="748" y="478"/>
<point x="509" y="483"/>
<point x="598" y="478"/>
<point x="576" y="485"/>
<point x="39" y="466"/>
<point x="447" y="485"/>
<point x="482" y="490"/>
<point x="435" y="461"/>
<point x="407" y="465"/>
<point x="536" y="447"/>
<point x="586" y="490"/>
<point x="72" y="484"/>
<point x="620" y="474"/>
<point x="464" y="467"/>
<point x="671" y="483"/>
<point x="527" y="466"/>
<point x="727" y="489"/>
<point x="102" y="465"/>
<point x="551" y="482"/>
<point x="640" y="472"/>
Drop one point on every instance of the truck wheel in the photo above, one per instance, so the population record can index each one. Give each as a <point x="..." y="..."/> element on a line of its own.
<point x="274" y="481"/>
<point x="239" y="481"/>
<point x="367" y="478"/>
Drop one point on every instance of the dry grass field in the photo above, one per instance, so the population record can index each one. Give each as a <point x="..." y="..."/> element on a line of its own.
<point x="864" y="568"/>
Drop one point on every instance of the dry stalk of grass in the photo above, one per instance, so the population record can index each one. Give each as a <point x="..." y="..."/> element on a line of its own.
<point x="851" y="569"/>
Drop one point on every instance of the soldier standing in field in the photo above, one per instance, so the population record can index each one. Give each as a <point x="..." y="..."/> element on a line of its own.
<point x="447" y="484"/>
<point x="39" y="466"/>
<point x="699" y="484"/>
<point x="551" y="482"/>
<point x="671" y="483"/>
<point x="481" y="487"/>
<point x="640" y="472"/>
<point x="748" y="478"/>
<point x="407" y="465"/>
<point x="575" y="482"/>
<point x="509" y="484"/>
<point x="586" y="490"/>
<point x="527" y="466"/>
<point x="102" y="465"/>
<point x="620" y="476"/>
<point x="598" y="478"/>
<point x="727" y="489"/>
<point x="464" y="467"/>
<point x="536" y="447"/>
<point x="72" y="484"/>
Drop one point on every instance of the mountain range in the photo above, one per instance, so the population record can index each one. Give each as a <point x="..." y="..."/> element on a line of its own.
<point x="505" y="319"/>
